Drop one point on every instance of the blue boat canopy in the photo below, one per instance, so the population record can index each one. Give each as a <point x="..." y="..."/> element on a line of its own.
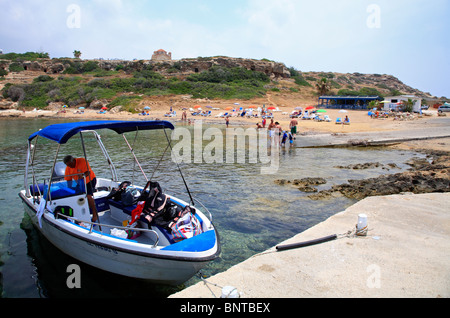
<point x="61" y="133"/>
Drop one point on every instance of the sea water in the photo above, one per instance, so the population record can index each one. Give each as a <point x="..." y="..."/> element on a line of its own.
<point x="251" y="212"/>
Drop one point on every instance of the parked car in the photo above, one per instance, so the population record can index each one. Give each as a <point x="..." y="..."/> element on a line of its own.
<point x="424" y="107"/>
<point x="444" y="108"/>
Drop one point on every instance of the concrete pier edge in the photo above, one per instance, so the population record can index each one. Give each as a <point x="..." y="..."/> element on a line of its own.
<point x="405" y="254"/>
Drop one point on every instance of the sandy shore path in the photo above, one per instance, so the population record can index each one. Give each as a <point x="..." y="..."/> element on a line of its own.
<point x="360" y="121"/>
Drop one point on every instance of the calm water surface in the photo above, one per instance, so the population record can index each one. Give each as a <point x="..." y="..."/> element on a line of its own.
<point x="250" y="211"/>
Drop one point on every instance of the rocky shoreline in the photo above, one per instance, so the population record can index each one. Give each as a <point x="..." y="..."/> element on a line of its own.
<point x="425" y="176"/>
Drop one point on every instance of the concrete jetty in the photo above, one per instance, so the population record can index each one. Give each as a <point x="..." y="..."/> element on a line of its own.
<point x="373" y="138"/>
<point x="405" y="254"/>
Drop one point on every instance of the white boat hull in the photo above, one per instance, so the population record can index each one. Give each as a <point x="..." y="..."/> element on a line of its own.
<point x="120" y="256"/>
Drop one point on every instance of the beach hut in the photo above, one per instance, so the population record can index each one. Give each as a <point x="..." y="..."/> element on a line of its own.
<point x="393" y="102"/>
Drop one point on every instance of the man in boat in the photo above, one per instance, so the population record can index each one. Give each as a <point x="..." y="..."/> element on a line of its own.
<point x="76" y="169"/>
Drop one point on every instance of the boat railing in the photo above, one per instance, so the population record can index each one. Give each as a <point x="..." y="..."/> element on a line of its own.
<point x="111" y="226"/>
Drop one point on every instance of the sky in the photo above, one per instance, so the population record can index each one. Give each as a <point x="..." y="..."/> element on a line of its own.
<point x="408" y="39"/>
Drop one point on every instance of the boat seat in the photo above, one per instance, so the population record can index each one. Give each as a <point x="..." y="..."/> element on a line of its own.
<point x="129" y="209"/>
<point x="58" y="190"/>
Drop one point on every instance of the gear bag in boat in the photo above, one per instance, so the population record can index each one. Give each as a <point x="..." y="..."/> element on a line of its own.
<point x="116" y="193"/>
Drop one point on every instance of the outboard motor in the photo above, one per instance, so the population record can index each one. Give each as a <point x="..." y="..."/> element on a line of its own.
<point x="59" y="172"/>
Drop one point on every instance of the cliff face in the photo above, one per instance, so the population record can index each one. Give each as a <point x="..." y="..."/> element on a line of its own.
<point x="183" y="66"/>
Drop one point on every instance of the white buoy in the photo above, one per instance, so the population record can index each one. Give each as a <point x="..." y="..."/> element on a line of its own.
<point x="361" y="227"/>
<point x="229" y="292"/>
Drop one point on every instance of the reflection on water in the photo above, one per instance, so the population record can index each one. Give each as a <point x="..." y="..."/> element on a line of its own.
<point x="251" y="212"/>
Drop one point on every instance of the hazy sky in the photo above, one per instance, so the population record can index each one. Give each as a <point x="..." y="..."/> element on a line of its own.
<point x="405" y="38"/>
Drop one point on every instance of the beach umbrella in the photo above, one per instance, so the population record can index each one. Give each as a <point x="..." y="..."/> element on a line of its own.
<point x="271" y="108"/>
<point x="81" y="108"/>
<point x="104" y="108"/>
<point x="298" y="108"/>
<point x="309" y="107"/>
<point x="252" y="107"/>
<point x="321" y="111"/>
<point x="343" y="111"/>
<point x="197" y="106"/>
<point x="147" y="108"/>
<point x="64" y="106"/>
<point x="208" y="106"/>
<point x="229" y="108"/>
<point x="236" y="103"/>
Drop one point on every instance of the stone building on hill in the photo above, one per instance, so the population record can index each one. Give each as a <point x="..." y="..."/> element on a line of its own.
<point x="161" y="55"/>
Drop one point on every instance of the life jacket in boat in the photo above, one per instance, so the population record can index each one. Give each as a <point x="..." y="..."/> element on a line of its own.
<point x="154" y="203"/>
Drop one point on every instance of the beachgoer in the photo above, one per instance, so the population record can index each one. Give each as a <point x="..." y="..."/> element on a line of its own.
<point x="283" y="140"/>
<point x="76" y="169"/>
<point x="291" y="139"/>
<point x="278" y="126"/>
<point x="293" y="126"/>
<point x="184" y="116"/>
<point x="264" y="122"/>
<point x="271" y="127"/>
<point x="280" y="131"/>
<point x="227" y="121"/>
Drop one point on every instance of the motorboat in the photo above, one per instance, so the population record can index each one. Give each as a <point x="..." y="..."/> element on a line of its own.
<point x="143" y="250"/>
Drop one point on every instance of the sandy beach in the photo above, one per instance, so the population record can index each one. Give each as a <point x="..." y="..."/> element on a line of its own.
<point x="359" y="119"/>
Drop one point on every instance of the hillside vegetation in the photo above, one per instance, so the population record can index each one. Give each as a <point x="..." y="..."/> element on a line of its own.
<point x="78" y="82"/>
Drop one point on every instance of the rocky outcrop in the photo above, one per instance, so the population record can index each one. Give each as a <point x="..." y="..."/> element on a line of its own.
<point x="304" y="185"/>
<point x="174" y="67"/>
<point x="7" y="104"/>
<point x="368" y="165"/>
<point x="423" y="177"/>
<point x="270" y="68"/>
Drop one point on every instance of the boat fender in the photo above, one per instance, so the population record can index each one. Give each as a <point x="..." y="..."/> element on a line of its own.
<point x="80" y="201"/>
<point x="230" y="292"/>
<point x="307" y="243"/>
<point x="361" y="226"/>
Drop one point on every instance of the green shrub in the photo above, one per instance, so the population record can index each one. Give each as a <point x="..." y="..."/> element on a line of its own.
<point x="218" y="82"/>
<point x="218" y="74"/>
<point x="347" y="92"/>
<point x="299" y="80"/>
<point x="28" y="56"/>
<point x="16" y="67"/>
<point x="128" y="103"/>
<point x="43" y="78"/>
<point x="369" y="91"/>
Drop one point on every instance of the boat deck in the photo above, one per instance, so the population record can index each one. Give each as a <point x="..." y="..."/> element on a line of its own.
<point x="106" y="218"/>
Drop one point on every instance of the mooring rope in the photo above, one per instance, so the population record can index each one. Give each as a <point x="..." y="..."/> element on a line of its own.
<point x="202" y="277"/>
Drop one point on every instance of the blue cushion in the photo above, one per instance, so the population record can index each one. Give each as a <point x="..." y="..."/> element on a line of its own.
<point x="199" y="243"/>
<point x="58" y="190"/>
<point x="61" y="190"/>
